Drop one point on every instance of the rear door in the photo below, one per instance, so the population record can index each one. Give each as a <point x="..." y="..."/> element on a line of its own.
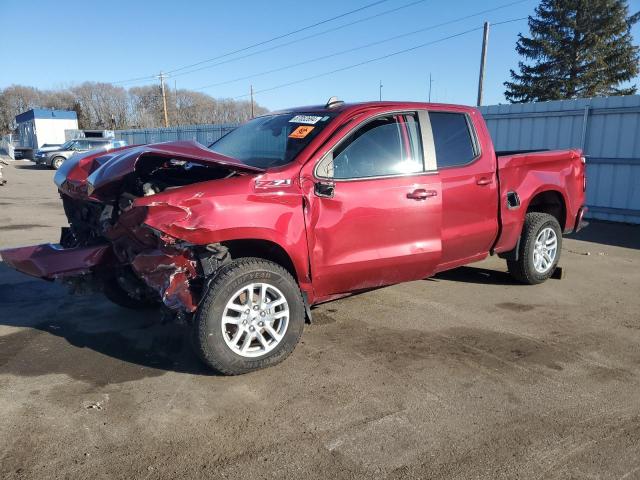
<point x="374" y="207"/>
<point x="469" y="189"/>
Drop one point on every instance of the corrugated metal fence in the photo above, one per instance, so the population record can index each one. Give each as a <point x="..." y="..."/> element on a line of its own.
<point x="204" y="134"/>
<point x="608" y="131"/>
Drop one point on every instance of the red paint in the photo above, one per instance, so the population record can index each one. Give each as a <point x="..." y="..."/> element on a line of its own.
<point x="532" y="173"/>
<point x="469" y="209"/>
<point x="50" y="261"/>
<point x="168" y="272"/>
<point x="372" y="232"/>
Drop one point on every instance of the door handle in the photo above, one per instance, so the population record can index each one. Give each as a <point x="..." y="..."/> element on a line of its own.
<point x="484" y="181"/>
<point x="421" y="194"/>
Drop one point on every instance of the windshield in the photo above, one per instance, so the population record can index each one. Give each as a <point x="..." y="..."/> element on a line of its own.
<point x="67" y="145"/>
<point x="272" y="140"/>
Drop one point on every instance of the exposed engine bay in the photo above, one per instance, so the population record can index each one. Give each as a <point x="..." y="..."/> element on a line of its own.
<point x="107" y="238"/>
<point x="151" y="267"/>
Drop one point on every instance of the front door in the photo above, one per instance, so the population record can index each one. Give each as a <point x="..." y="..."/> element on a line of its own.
<point x="374" y="211"/>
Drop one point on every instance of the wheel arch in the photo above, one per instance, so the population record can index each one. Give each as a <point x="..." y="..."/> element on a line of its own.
<point x="546" y="199"/>
<point x="262" y="248"/>
<point x="550" y="201"/>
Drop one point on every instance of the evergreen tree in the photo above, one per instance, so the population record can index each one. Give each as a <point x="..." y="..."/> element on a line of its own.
<point x="578" y="48"/>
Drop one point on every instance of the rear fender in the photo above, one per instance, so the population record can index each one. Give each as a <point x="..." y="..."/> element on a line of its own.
<point x="529" y="175"/>
<point x="513" y="218"/>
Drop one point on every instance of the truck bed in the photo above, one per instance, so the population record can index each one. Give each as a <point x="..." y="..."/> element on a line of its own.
<point x="523" y="175"/>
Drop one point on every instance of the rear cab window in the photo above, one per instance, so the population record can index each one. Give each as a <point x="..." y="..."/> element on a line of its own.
<point x="454" y="140"/>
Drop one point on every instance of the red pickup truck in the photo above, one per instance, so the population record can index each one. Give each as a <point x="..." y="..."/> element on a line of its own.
<point x="300" y="207"/>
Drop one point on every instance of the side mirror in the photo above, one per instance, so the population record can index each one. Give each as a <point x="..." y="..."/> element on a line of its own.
<point x="324" y="189"/>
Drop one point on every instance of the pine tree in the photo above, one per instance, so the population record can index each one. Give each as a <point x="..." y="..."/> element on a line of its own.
<point x="578" y="48"/>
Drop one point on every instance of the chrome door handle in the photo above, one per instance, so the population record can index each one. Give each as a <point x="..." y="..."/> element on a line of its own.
<point x="421" y="194"/>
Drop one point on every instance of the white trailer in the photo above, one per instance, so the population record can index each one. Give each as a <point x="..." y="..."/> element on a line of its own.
<point x="38" y="126"/>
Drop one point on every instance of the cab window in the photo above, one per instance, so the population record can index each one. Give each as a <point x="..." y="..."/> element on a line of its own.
<point x="452" y="139"/>
<point x="385" y="146"/>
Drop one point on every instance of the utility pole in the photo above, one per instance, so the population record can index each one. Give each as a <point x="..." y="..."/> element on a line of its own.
<point x="164" y="99"/>
<point x="380" y="91"/>
<point x="251" y="91"/>
<point x="175" y="100"/>
<point x="430" y="84"/>
<point x="483" y="61"/>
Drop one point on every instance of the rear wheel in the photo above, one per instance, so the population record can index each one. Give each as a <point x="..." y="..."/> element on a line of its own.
<point x="57" y="162"/>
<point x="252" y="317"/>
<point x="539" y="251"/>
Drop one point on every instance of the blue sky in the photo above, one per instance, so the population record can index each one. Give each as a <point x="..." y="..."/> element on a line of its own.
<point x="70" y="42"/>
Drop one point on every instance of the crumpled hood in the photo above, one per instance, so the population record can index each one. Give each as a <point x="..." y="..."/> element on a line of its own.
<point x="103" y="169"/>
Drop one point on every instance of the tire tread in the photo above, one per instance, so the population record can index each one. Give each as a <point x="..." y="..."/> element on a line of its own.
<point x="239" y="365"/>
<point x="520" y="269"/>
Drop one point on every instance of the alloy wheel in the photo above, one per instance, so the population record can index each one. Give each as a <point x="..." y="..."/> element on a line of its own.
<point x="255" y="319"/>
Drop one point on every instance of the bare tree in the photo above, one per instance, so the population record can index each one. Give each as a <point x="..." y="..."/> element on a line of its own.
<point x="14" y="100"/>
<point x="105" y="106"/>
<point x="145" y="106"/>
<point x="102" y="105"/>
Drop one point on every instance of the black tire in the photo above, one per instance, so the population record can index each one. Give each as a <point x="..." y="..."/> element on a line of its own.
<point x="118" y="295"/>
<point x="57" y="162"/>
<point x="208" y="339"/>
<point x="523" y="269"/>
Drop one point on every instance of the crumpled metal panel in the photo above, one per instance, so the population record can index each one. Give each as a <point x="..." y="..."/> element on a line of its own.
<point x="51" y="261"/>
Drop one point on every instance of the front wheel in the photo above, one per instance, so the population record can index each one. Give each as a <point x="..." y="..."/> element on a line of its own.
<point x="539" y="251"/>
<point x="251" y="317"/>
<point x="134" y="299"/>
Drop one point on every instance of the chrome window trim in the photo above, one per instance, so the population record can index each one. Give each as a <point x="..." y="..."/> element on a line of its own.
<point x="360" y="179"/>
<point x="428" y="146"/>
<point x="363" y="123"/>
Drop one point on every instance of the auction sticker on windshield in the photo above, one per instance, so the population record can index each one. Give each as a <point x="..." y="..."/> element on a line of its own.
<point x="301" y="132"/>
<point x="309" y="119"/>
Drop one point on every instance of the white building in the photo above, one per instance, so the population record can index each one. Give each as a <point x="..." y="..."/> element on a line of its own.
<point x="40" y="126"/>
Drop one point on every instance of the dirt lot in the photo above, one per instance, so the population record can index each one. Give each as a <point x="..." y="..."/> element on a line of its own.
<point x="465" y="375"/>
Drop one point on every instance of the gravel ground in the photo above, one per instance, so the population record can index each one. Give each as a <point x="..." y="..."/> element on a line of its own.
<point x="465" y="375"/>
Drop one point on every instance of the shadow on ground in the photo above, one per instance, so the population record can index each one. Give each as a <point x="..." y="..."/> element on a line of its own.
<point x="476" y="275"/>
<point x="608" y="233"/>
<point x="86" y="337"/>
<point x="33" y="166"/>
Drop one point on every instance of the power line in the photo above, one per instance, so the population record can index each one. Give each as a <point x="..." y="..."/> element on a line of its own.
<point x="293" y="32"/>
<point x="376" y="59"/>
<point x="313" y="35"/>
<point x="371" y="44"/>
<point x="284" y="35"/>
<point x="339" y="27"/>
<point x="510" y="21"/>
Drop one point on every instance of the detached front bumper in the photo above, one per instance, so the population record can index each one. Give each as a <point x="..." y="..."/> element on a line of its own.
<point x="51" y="261"/>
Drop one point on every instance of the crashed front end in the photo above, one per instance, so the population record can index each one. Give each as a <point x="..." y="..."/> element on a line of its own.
<point x="117" y="204"/>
